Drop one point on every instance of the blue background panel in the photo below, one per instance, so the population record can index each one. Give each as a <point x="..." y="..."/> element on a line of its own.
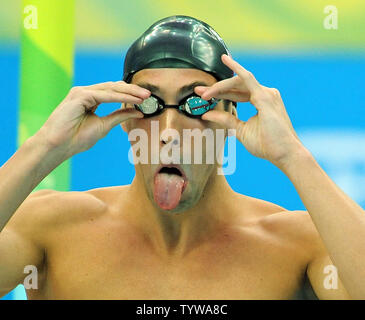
<point x="323" y="94"/>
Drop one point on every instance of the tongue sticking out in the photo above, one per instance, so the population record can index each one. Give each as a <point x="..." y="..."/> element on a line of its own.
<point x="168" y="190"/>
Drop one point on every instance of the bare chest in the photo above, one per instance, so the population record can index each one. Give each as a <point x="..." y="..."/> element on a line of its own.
<point x="102" y="264"/>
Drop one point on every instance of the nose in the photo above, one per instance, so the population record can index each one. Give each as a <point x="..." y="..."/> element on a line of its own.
<point x="170" y="126"/>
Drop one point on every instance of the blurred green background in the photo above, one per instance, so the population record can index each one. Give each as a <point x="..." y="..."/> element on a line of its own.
<point x="253" y="24"/>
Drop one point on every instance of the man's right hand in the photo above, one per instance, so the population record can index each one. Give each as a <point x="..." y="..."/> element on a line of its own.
<point x="73" y="126"/>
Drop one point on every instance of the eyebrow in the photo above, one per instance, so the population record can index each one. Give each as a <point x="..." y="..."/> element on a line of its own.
<point x="187" y="88"/>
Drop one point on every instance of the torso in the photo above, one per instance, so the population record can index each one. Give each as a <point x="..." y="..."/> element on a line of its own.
<point x="97" y="255"/>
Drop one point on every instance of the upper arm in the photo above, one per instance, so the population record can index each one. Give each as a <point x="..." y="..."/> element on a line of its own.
<point x="19" y="246"/>
<point x="320" y="270"/>
<point x="16" y="252"/>
<point x="324" y="278"/>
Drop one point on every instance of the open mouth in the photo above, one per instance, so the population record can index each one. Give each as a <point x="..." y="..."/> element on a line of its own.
<point x="171" y="170"/>
<point x="169" y="183"/>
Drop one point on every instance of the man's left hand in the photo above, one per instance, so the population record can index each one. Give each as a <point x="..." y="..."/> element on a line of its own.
<point x="269" y="134"/>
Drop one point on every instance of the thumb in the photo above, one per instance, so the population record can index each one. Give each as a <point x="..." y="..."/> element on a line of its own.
<point x="200" y="90"/>
<point x="120" y="115"/>
<point x="226" y="120"/>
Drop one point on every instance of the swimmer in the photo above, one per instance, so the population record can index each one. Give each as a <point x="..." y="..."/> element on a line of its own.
<point x="177" y="231"/>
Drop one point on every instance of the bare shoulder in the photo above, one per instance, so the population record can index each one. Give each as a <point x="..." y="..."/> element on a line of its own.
<point x="44" y="210"/>
<point x="296" y="226"/>
<point x="108" y="195"/>
<point x="289" y="226"/>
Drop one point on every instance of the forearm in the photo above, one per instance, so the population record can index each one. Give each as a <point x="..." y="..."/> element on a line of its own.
<point x="23" y="172"/>
<point x="339" y="220"/>
<point x="71" y="128"/>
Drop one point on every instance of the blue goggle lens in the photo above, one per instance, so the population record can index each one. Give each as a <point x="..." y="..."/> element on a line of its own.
<point x="197" y="106"/>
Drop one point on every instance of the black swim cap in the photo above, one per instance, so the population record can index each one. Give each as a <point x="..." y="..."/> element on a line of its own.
<point x="178" y="42"/>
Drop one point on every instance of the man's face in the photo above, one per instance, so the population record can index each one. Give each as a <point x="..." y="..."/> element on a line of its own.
<point x="167" y="188"/>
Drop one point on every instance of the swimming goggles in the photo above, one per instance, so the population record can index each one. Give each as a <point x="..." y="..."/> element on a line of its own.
<point x="192" y="106"/>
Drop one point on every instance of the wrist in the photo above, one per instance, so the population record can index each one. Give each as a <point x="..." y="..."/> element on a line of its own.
<point x="46" y="151"/>
<point x="297" y="155"/>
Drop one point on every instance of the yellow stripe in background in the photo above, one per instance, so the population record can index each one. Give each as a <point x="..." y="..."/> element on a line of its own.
<point x="253" y="23"/>
<point x="53" y="17"/>
<point x="108" y="24"/>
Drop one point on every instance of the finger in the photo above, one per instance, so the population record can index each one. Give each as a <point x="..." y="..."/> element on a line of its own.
<point x="91" y="98"/>
<point x="219" y="88"/>
<point x="222" y="118"/>
<point x="200" y="90"/>
<point x="122" y="87"/>
<point x="235" y="95"/>
<point x="102" y="85"/>
<point x="249" y="79"/>
<point x="131" y="89"/>
<point x="234" y="91"/>
<point x="119" y="116"/>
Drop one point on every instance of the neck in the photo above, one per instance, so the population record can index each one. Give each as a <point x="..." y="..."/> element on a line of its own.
<point x="175" y="234"/>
